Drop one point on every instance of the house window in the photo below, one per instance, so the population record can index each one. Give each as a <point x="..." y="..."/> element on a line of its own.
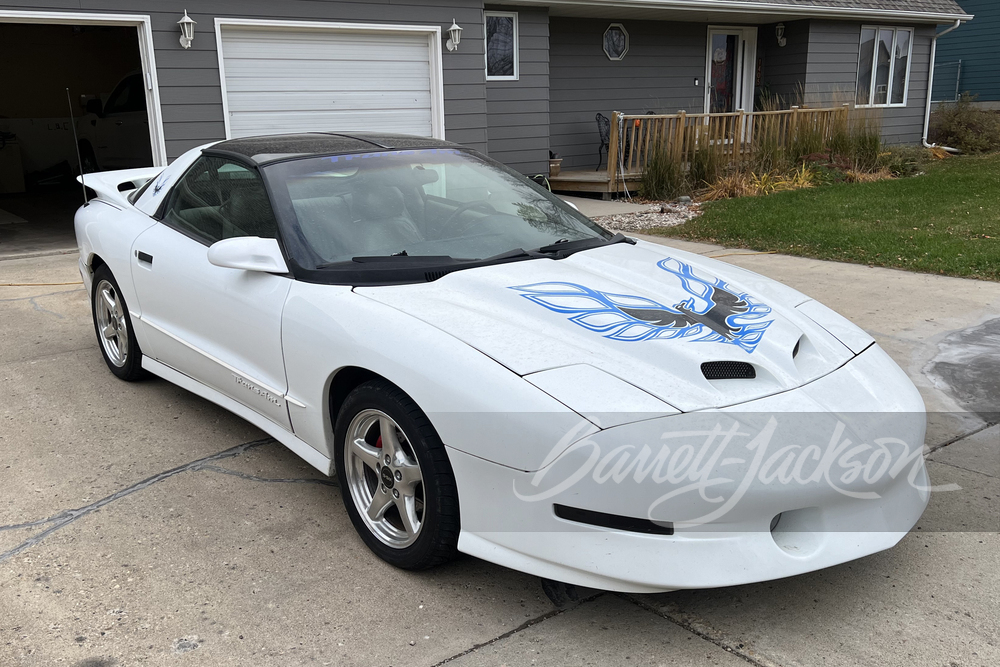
<point x="884" y="66"/>
<point x="615" y="41"/>
<point x="501" y="46"/>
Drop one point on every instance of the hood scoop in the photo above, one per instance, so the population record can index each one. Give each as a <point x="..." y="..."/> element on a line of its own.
<point x="728" y="370"/>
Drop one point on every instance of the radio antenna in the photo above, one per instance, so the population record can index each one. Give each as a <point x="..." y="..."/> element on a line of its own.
<point x="76" y="142"/>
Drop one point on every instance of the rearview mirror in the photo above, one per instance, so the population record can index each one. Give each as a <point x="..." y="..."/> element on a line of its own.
<point x="249" y="253"/>
<point x="94" y="106"/>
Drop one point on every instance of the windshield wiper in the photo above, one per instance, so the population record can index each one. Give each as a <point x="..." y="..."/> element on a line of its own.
<point x="399" y="258"/>
<point x="510" y="254"/>
<point x="562" y="247"/>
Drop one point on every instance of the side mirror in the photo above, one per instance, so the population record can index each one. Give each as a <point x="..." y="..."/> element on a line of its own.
<point x="249" y="253"/>
<point x="572" y="205"/>
<point x="94" y="106"/>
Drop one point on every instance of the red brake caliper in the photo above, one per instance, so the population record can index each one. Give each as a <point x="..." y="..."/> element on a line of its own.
<point x="378" y="443"/>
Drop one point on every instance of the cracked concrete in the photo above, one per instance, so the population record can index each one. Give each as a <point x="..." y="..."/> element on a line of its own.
<point x="142" y="525"/>
<point x="66" y="517"/>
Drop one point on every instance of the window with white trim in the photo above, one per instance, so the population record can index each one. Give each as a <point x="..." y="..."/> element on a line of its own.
<point x="884" y="66"/>
<point x="501" y="46"/>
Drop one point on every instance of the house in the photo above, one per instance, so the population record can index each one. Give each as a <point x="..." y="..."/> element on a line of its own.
<point x="521" y="78"/>
<point x="968" y="60"/>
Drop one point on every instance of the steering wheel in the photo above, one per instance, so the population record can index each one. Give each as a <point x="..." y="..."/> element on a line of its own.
<point x="479" y="203"/>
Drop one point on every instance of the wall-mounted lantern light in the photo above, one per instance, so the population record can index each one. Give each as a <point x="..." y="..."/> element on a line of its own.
<point x="454" y="36"/>
<point x="779" y="32"/>
<point x="187" y="25"/>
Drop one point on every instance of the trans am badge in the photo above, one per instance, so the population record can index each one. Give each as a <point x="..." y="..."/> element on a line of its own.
<point x="712" y="313"/>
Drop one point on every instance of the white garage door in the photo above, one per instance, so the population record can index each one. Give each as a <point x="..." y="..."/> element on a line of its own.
<point x="283" y="79"/>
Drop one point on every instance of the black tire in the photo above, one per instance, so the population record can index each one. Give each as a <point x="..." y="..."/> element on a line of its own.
<point x="120" y="351"/>
<point x="437" y="537"/>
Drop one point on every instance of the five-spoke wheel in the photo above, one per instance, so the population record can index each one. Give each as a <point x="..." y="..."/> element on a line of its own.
<point x="384" y="478"/>
<point x="114" y="329"/>
<point x="395" y="477"/>
<point x="111" y="325"/>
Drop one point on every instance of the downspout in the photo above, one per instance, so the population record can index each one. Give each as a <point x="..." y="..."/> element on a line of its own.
<point x="930" y="89"/>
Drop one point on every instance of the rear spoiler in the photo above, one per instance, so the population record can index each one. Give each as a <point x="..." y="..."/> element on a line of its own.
<point x="114" y="186"/>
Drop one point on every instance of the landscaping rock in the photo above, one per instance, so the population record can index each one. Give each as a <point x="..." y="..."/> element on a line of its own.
<point x="656" y="215"/>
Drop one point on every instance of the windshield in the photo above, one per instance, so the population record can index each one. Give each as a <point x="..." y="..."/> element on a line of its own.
<point x="438" y="204"/>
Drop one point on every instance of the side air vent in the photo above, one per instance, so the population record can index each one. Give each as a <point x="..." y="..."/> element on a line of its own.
<point x="728" y="370"/>
<point x="613" y="521"/>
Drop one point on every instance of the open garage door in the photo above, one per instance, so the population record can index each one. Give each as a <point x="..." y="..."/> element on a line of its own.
<point x="105" y="62"/>
<point x="287" y="77"/>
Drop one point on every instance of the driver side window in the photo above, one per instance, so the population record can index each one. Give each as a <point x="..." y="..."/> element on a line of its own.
<point x="220" y="199"/>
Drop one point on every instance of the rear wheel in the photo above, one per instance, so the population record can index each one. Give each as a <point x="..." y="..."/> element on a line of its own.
<point x="114" y="327"/>
<point x="395" y="477"/>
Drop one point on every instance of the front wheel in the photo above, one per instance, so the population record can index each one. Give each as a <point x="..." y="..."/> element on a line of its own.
<point x="395" y="477"/>
<point x="114" y="327"/>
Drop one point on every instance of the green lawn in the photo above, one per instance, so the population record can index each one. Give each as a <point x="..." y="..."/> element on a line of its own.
<point x="946" y="221"/>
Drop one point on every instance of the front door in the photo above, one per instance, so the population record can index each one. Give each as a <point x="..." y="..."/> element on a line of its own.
<point x="217" y="325"/>
<point x="732" y="57"/>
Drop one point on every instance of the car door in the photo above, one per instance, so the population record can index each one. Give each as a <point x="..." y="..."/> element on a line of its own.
<point x="122" y="133"/>
<point x="218" y="325"/>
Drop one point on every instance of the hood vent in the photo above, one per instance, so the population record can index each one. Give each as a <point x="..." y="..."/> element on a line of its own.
<point x="728" y="370"/>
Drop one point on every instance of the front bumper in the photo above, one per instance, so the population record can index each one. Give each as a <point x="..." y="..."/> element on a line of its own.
<point x="840" y="460"/>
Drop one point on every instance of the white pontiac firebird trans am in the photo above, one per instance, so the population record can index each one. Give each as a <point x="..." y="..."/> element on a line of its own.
<point x="487" y="371"/>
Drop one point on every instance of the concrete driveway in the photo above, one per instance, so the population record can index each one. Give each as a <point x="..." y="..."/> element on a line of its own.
<point x="142" y="525"/>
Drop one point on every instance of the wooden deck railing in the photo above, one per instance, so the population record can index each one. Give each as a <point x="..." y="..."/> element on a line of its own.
<point x="731" y="137"/>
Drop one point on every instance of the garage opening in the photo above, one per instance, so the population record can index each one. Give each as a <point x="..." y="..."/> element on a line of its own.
<point x="102" y="67"/>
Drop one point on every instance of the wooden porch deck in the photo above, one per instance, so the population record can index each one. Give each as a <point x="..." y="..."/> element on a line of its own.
<point x="726" y="138"/>
<point x="588" y="180"/>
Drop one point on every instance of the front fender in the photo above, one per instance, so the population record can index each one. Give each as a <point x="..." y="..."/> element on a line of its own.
<point x="476" y="405"/>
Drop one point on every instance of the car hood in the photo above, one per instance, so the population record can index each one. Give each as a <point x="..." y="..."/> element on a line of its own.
<point x="646" y="314"/>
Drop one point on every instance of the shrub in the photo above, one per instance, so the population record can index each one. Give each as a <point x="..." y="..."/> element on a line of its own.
<point x="903" y="161"/>
<point x="750" y="184"/>
<point x="859" y="140"/>
<point x="706" y="167"/>
<point x="732" y="185"/>
<point x="963" y="126"/>
<point x="663" y="178"/>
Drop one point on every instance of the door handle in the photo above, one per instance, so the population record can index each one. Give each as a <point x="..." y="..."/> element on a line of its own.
<point x="119" y="122"/>
<point x="144" y="257"/>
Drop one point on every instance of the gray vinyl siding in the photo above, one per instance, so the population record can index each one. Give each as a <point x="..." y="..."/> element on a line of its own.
<point x="517" y="112"/>
<point x="190" y="90"/>
<point x="657" y="74"/>
<point x="832" y="73"/>
<point x="783" y="70"/>
<point x="832" y="63"/>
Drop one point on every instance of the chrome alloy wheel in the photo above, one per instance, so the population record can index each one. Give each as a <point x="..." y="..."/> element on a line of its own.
<point x="111" y="323"/>
<point x="384" y="479"/>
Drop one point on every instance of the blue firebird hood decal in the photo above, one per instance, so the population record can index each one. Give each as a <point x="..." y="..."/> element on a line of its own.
<point x="713" y="313"/>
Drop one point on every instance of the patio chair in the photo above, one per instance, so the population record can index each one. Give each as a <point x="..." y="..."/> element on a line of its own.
<point x="604" y="130"/>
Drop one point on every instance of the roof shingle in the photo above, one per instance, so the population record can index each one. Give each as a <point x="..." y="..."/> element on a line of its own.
<point x="914" y="6"/>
